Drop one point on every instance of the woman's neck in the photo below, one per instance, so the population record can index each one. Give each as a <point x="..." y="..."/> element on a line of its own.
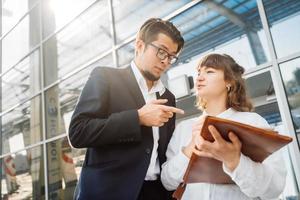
<point x="216" y="107"/>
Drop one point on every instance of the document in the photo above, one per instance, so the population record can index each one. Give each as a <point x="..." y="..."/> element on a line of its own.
<point x="257" y="144"/>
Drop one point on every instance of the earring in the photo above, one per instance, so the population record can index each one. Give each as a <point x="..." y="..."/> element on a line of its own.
<point x="228" y="87"/>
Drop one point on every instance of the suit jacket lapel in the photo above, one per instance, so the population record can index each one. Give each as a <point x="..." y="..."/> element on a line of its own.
<point x="137" y="95"/>
<point x="133" y="87"/>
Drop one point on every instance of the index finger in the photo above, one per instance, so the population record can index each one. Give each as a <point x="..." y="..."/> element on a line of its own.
<point x="172" y="109"/>
<point x="158" y="101"/>
<point x="215" y="133"/>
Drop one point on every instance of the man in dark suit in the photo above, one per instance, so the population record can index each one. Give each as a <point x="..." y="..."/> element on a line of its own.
<point x="125" y="118"/>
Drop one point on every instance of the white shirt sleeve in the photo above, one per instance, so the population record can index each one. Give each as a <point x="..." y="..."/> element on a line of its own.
<point x="265" y="180"/>
<point x="174" y="168"/>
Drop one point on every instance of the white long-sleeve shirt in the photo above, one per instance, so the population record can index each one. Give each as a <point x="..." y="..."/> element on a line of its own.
<point x="253" y="180"/>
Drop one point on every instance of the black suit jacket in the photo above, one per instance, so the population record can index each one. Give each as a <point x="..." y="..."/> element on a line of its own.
<point x="105" y="121"/>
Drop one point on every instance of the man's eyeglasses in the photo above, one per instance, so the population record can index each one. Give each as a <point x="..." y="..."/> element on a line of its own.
<point x="163" y="54"/>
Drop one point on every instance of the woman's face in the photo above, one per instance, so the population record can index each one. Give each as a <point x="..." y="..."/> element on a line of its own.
<point x="210" y="83"/>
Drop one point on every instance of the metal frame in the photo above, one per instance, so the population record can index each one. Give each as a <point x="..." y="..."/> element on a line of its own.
<point x="1" y="94"/>
<point x="279" y="90"/>
<point x="257" y="71"/>
<point x="113" y="31"/>
<point x="19" y="21"/>
<point x="168" y="17"/>
<point x="44" y="40"/>
<point x="288" y="58"/>
<point x="35" y="145"/>
<point x="44" y="145"/>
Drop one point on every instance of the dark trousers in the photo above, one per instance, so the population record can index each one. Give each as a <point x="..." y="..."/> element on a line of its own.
<point x="153" y="190"/>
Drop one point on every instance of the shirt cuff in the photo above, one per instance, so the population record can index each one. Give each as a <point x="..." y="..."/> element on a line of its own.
<point x="241" y="171"/>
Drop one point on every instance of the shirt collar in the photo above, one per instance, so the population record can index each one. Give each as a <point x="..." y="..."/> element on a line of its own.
<point x="157" y="87"/>
<point x="225" y="114"/>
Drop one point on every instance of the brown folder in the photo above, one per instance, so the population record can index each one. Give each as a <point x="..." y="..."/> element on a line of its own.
<point x="257" y="143"/>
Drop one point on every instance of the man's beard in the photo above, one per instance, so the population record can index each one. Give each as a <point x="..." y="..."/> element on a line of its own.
<point x="149" y="76"/>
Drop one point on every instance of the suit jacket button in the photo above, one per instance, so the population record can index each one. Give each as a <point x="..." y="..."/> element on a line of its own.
<point x="148" y="151"/>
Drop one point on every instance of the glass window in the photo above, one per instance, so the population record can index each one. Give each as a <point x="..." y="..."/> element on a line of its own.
<point x="58" y="13"/>
<point x="23" y="175"/>
<point x="125" y="54"/>
<point x="231" y="27"/>
<point x="61" y="99"/>
<point x="21" y="40"/>
<point x="84" y="39"/>
<point x="137" y="12"/>
<point x="21" y="81"/>
<point x="12" y="11"/>
<point x="22" y="125"/>
<point x="291" y="77"/>
<point x="261" y="91"/>
<point x="64" y="166"/>
<point x="284" y="19"/>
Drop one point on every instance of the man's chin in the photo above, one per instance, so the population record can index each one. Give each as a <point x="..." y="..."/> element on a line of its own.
<point x="149" y="76"/>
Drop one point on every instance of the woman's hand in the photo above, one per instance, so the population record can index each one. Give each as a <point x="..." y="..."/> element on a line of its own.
<point x="227" y="152"/>
<point x="191" y="147"/>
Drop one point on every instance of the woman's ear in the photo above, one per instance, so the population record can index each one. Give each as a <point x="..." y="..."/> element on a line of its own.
<point x="228" y="86"/>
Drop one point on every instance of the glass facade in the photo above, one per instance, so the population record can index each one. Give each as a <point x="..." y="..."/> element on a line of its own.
<point x="63" y="169"/>
<point x="280" y="21"/>
<point x="23" y="175"/>
<point x="20" y="40"/>
<point x="233" y="26"/>
<point x="49" y="47"/>
<point x="291" y="76"/>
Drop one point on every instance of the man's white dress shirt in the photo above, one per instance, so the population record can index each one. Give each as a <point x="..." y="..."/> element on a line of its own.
<point x="149" y="95"/>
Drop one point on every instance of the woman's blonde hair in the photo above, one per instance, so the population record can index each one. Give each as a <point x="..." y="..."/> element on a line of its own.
<point x="237" y="97"/>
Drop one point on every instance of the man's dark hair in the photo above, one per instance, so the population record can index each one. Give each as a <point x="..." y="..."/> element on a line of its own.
<point x="152" y="27"/>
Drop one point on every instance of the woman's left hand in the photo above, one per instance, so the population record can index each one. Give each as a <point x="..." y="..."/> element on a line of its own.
<point x="227" y="152"/>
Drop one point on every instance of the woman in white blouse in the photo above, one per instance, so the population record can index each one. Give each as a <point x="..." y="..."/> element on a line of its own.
<point x="221" y="93"/>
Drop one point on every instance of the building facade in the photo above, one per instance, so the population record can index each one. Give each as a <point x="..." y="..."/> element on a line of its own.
<point x="49" y="47"/>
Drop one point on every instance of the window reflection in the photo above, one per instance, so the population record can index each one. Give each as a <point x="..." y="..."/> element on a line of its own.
<point x="136" y="12"/>
<point x="23" y="175"/>
<point x="57" y="13"/>
<point x="12" y="11"/>
<point x="21" y="82"/>
<point x="21" y="39"/>
<point x="61" y="99"/>
<point x="24" y="122"/>
<point x="125" y="54"/>
<point x="284" y="19"/>
<point x="64" y="165"/>
<point x="232" y="27"/>
<point x="84" y="39"/>
<point x="260" y="89"/>
<point x="291" y="76"/>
